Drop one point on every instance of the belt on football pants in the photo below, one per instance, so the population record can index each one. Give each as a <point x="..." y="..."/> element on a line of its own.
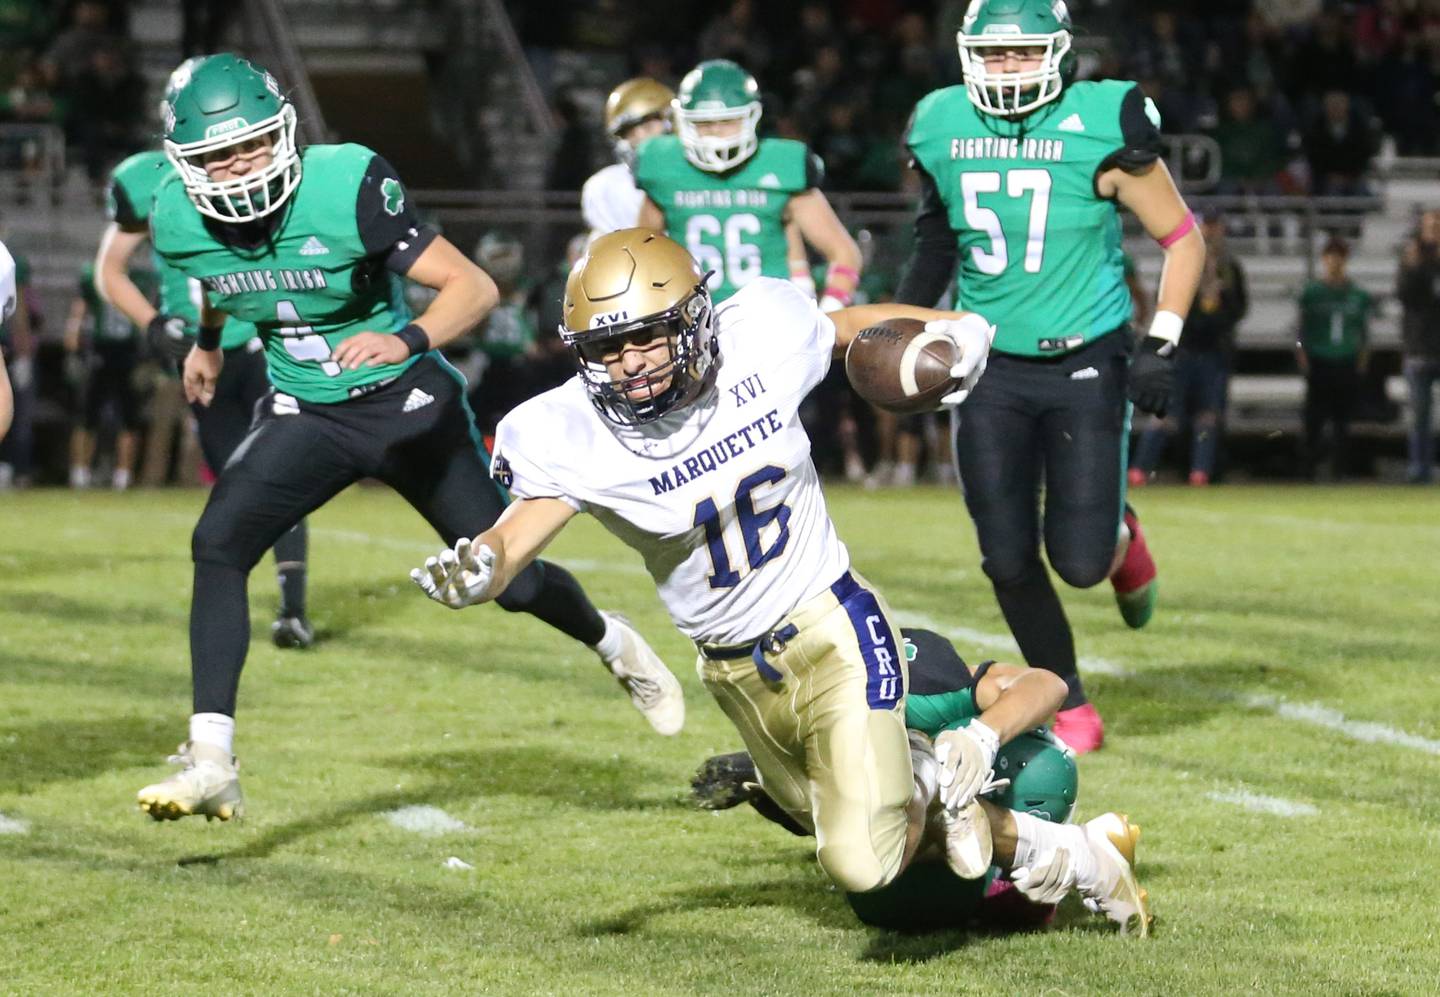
<point x="774" y="641"/>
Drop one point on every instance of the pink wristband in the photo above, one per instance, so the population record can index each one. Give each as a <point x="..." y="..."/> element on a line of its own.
<point x="840" y="270"/>
<point x="1180" y="231"/>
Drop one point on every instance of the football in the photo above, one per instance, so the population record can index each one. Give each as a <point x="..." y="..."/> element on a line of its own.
<point x="897" y="366"/>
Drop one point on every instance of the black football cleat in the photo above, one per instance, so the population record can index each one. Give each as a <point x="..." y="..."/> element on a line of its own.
<point x="292" y="632"/>
<point x="725" y="781"/>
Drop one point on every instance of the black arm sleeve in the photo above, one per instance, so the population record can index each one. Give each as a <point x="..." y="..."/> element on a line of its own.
<point x="386" y="219"/>
<point x="936" y="667"/>
<point x="933" y="253"/>
<point x="814" y="171"/>
<point x="1142" y="143"/>
<point x="122" y="210"/>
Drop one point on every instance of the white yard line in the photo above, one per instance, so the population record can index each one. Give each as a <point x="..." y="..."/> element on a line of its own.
<point x="1276" y="806"/>
<point x="1315" y="714"/>
<point x="14" y="825"/>
<point x="426" y="820"/>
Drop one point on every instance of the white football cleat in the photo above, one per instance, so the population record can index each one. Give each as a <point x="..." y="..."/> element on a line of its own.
<point x="1117" y="894"/>
<point x="969" y="847"/>
<point x="652" y="688"/>
<point x="208" y="784"/>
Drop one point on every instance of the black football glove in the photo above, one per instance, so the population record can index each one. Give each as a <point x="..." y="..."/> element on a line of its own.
<point x="169" y="337"/>
<point x="1152" y="375"/>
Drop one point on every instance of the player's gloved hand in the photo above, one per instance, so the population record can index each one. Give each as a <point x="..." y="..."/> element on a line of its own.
<point x="459" y="577"/>
<point x="168" y="337"/>
<point x="1048" y="881"/>
<point x="972" y="336"/>
<point x="1152" y="375"/>
<point x="967" y="764"/>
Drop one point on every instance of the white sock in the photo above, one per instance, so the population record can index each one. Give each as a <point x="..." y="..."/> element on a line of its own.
<point x="215" y="729"/>
<point x="610" y="645"/>
<point x="904" y="475"/>
<point x="1036" y="840"/>
<point x="120" y="480"/>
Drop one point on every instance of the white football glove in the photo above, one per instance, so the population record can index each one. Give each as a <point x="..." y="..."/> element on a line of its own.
<point x="459" y="577"/>
<point x="1047" y="882"/>
<point x="967" y="764"/>
<point x="972" y="336"/>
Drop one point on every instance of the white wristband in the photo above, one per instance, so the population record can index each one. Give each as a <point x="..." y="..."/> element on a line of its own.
<point x="1167" y="326"/>
<point x="988" y="740"/>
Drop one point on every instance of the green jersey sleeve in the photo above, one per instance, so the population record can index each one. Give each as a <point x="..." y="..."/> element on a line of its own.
<point x="132" y="188"/>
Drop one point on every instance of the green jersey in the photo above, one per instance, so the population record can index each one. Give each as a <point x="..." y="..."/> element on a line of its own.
<point x="1334" y="321"/>
<point x="107" y="323"/>
<point x="733" y="223"/>
<point x="1039" y="249"/>
<point x="132" y="189"/>
<point x="316" y="272"/>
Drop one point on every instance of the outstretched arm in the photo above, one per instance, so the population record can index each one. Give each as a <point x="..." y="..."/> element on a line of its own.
<point x="479" y="569"/>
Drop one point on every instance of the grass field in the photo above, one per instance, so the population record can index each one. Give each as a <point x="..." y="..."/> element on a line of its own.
<point x="1276" y="731"/>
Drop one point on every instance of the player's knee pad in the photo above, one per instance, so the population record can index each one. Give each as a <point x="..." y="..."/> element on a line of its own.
<point x="1082" y="569"/>
<point x="1012" y="566"/>
<point x="854" y="869"/>
<point x="220" y="539"/>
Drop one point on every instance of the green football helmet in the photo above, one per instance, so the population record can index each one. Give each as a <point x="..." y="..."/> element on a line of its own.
<point x="179" y="76"/>
<point x="718" y="90"/>
<point x="1042" y="774"/>
<point x="991" y="25"/>
<point x="227" y="101"/>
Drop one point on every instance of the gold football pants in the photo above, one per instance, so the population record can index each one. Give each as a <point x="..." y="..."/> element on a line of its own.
<point x="820" y="704"/>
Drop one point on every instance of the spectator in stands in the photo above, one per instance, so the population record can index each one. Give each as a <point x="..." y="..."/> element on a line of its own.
<point x="1418" y="288"/>
<point x="1160" y="52"/>
<point x="507" y="337"/>
<point x="1405" y="86"/>
<point x="574" y="158"/>
<point x="105" y="115"/>
<point x="1252" y="149"/>
<point x="1333" y="352"/>
<point x="1325" y="60"/>
<point x="1339" y="146"/>
<point x="28" y="99"/>
<point x="72" y="53"/>
<point x="1202" y="363"/>
<point x="735" y="35"/>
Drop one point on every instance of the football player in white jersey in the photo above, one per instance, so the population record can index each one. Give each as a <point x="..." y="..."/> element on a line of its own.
<point x="636" y="110"/>
<point x="682" y="435"/>
<point x="8" y="294"/>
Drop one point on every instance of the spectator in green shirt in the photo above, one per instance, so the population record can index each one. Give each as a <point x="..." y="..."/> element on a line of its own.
<point x="1333" y="351"/>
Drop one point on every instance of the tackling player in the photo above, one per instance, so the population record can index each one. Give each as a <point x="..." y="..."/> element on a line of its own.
<point x="682" y="436"/>
<point x="995" y="715"/>
<point x="1022" y="173"/>
<point x="729" y="196"/>
<point x="301" y="244"/>
<point x="171" y="329"/>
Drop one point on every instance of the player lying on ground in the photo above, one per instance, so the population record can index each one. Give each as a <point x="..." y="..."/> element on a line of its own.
<point x="682" y="436"/>
<point x="986" y="722"/>
<point x="304" y="245"/>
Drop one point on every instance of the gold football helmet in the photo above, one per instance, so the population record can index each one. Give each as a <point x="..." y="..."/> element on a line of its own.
<point x="636" y="286"/>
<point x="632" y="103"/>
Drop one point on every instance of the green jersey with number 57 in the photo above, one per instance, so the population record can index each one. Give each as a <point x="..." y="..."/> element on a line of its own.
<point x="317" y="271"/>
<point x="732" y="222"/>
<point x="1040" y="250"/>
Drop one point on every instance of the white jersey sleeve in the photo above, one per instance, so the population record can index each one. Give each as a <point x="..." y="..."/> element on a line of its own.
<point x="798" y="338"/>
<point x="7" y="284"/>
<point x="610" y="200"/>
<point x="528" y="470"/>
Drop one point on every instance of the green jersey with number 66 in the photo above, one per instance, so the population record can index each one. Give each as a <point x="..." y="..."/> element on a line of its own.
<point x="733" y="222"/>
<point x="1040" y="249"/>
<point x="315" y="272"/>
<point x="132" y="189"/>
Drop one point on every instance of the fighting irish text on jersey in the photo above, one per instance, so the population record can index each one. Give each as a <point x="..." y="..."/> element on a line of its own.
<point x="324" y="272"/>
<point x="1039" y="249"/>
<point x="733" y="223"/>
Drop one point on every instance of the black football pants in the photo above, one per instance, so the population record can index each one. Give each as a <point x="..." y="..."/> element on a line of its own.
<point x="1062" y="423"/>
<point x="298" y="456"/>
